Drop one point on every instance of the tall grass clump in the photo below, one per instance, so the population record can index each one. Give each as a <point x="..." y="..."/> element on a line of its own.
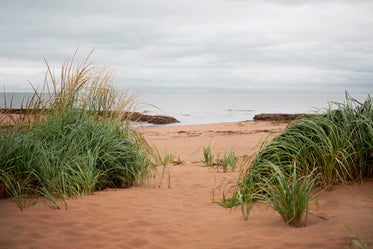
<point x="74" y="142"/>
<point x="289" y="196"/>
<point x="339" y="144"/>
<point x="336" y="146"/>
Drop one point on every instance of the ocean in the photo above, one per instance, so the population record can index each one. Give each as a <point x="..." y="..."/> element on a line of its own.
<point x="207" y="108"/>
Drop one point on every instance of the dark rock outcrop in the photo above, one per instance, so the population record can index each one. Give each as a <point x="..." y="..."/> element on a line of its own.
<point x="281" y="117"/>
<point x="153" y="119"/>
<point x="132" y="116"/>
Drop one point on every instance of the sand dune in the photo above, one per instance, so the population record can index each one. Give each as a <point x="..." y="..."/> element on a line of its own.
<point x="184" y="216"/>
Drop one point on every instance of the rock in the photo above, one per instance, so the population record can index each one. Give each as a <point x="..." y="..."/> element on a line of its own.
<point x="153" y="119"/>
<point x="281" y="117"/>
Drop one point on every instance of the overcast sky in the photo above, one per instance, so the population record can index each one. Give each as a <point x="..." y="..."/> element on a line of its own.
<point x="226" y="45"/>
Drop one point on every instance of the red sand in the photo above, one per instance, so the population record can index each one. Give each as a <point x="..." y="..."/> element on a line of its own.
<point x="184" y="215"/>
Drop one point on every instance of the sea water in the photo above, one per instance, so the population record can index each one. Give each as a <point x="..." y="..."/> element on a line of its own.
<point x="206" y="108"/>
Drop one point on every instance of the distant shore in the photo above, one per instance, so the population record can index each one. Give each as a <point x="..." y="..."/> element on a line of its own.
<point x="163" y="119"/>
<point x="132" y="116"/>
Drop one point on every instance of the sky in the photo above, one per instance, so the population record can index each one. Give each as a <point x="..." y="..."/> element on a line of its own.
<point x="320" y="46"/>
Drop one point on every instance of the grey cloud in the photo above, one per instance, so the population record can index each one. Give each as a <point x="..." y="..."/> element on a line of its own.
<point x="243" y="44"/>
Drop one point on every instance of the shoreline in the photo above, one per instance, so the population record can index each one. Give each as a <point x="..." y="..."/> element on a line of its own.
<point x="159" y="120"/>
<point x="131" y="116"/>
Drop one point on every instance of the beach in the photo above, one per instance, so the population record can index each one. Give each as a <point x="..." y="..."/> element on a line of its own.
<point x="180" y="210"/>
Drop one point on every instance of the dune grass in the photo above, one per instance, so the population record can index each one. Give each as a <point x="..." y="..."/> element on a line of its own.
<point x="337" y="147"/>
<point x="289" y="196"/>
<point x="73" y="142"/>
<point x="208" y="156"/>
<point x="229" y="159"/>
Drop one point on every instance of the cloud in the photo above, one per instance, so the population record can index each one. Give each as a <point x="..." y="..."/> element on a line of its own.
<point x="266" y="45"/>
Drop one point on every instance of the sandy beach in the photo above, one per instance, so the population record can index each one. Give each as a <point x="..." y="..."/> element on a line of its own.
<point x="181" y="213"/>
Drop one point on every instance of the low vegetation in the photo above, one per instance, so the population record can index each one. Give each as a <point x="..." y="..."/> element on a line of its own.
<point x="229" y="159"/>
<point x="77" y="144"/>
<point x="318" y="151"/>
<point x="354" y="241"/>
<point x="290" y="195"/>
<point x="208" y="156"/>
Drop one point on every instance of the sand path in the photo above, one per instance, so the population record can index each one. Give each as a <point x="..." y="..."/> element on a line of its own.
<point x="184" y="216"/>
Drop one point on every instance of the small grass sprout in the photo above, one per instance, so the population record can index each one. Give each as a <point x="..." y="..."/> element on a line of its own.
<point x="229" y="159"/>
<point x="208" y="156"/>
<point x="356" y="242"/>
<point x="164" y="162"/>
<point x="168" y="158"/>
<point x="232" y="159"/>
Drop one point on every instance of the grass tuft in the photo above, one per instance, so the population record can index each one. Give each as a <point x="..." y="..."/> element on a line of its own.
<point x="74" y="142"/>
<point x="328" y="149"/>
<point x="289" y="196"/>
<point x="208" y="156"/>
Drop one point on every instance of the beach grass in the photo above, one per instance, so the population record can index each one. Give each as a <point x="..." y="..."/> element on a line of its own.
<point x="289" y="196"/>
<point x="356" y="242"/>
<point x="75" y="141"/>
<point x="333" y="148"/>
<point x="229" y="159"/>
<point x="164" y="162"/>
<point x="208" y="156"/>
